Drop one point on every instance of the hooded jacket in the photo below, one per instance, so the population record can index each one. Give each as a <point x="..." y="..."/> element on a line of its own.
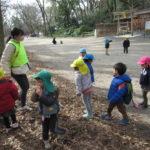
<point x="145" y="79"/>
<point x="8" y="95"/>
<point x="48" y="91"/>
<point x="115" y="93"/>
<point x="82" y="82"/>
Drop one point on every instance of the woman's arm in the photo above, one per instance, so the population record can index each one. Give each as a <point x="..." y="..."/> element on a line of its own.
<point x="8" y="51"/>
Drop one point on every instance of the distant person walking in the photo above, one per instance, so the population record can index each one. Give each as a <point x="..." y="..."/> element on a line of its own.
<point x="54" y="41"/>
<point x="126" y="44"/>
<point x="107" y="41"/>
<point x="15" y="62"/>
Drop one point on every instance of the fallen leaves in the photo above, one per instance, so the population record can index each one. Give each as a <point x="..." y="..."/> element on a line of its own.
<point x="82" y="134"/>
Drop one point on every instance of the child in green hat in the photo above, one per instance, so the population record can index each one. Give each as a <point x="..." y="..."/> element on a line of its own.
<point x="47" y="96"/>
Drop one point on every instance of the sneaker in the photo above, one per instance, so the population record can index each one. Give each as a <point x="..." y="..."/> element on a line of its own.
<point x="15" y="125"/>
<point x="46" y="144"/>
<point x="142" y="103"/>
<point x="106" y="117"/>
<point x="26" y="107"/>
<point x="85" y="111"/>
<point x="8" y="130"/>
<point x="87" y="116"/>
<point x="124" y="121"/>
<point x="144" y="106"/>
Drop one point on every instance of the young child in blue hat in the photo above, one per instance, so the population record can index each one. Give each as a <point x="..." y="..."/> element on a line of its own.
<point x="88" y="59"/>
<point x="83" y="52"/>
<point x="47" y="96"/>
<point x="107" y="41"/>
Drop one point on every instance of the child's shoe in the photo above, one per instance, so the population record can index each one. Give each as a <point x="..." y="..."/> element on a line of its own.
<point x="26" y="107"/>
<point x="8" y="130"/>
<point x="15" y="125"/>
<point x="142" y="103"/>
<point x="46" y="144"/>
<point x="106" y="117"/>
<point x="87" y="116"/>
<point x="144" y="106"/>
<point x="85" y="111"/>
<point x="124" y="121"/>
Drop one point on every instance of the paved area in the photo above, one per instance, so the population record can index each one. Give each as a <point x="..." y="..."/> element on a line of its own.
<point x="59" y="57"/>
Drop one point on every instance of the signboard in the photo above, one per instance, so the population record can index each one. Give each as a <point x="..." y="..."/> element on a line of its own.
<point x="147" y="25"/>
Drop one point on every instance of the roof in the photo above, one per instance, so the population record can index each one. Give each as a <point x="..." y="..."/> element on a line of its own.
<point x="141" y="12"/>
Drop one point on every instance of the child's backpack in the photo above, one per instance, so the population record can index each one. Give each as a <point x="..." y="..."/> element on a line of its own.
<point x="128" y="97"/>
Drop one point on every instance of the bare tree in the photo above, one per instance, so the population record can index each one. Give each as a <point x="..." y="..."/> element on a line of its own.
<point x="46" y="21"/>
<point x="29" y="16"/>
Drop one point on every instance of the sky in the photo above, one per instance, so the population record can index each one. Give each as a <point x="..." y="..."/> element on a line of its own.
<point x="23" y="1"/>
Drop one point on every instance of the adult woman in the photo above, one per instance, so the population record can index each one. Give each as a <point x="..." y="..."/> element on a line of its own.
<point x="15" y="62"/>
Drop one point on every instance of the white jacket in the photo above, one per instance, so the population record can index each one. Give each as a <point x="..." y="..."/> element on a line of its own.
<point x="8" y="51"/>
<point x="83" y="82"/>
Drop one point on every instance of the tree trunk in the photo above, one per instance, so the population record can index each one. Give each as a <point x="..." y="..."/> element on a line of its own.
<point x="1" y="32"/>
<point x="41" y="6"/>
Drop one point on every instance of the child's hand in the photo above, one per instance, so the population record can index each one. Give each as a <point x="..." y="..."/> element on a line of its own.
<point x="79" y="94"/>
<point x="39" y="91"/>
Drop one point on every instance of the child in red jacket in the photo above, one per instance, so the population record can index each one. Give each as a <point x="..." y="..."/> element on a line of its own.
<point x="8" y="95"/>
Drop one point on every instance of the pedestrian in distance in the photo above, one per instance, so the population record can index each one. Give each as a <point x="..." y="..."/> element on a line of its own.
<point x="54" y="41"/>
<point x="126" y="45"/>
<point x="107" y="45"/>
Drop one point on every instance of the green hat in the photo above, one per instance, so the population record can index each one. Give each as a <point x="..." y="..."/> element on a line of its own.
<point x="45" y="76"/>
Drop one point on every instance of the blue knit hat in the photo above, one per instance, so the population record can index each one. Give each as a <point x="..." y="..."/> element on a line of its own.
<point x="89" y="56"/>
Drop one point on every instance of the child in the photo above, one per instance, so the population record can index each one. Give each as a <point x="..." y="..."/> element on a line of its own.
<point x="117" y="91"/>
<point x="88" y="59"/>
<point x="8" y="95"/>
<point x="107" y="41"/>
<point x="83" y="85"/>
<point x="145" y="79"/>
<point x="47" y="96"/>
<point x="126" y="44"/>
<point x="54" y="41"/>
<point x="82" y="53"/>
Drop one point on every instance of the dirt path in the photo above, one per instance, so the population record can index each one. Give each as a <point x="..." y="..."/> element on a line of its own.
<point x="82" y="134"/>
<point x="59" y="57"/>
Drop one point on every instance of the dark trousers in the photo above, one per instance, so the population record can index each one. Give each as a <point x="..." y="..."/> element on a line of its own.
<point x="145" y="102"/>
<point x="125" y="49"/>
<point x="7" y="121"/>
<point x="120" y="107"/>
<point x="49" y="124"/>
<point x="23" y="82"/>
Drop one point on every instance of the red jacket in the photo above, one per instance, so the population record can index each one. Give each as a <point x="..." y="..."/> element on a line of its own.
<point x="8" y="95"/>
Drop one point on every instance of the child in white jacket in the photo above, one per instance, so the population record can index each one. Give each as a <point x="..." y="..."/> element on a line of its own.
<point x="83" y="85"/>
